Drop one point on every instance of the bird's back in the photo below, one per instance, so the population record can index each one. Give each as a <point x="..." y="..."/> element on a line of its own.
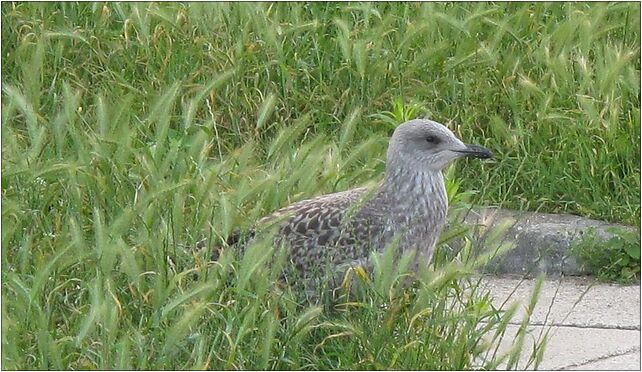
<point x="328" y="230"/>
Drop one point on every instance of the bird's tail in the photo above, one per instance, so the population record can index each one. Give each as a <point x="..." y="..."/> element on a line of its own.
<point x="237" y="240"/>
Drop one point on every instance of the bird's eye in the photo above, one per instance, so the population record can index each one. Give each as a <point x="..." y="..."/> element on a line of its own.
<point x="431" y="139"/>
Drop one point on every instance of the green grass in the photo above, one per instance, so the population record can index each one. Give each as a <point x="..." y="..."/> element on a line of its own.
<point x="552" y="88"/>
<point x="130" y="130"/>
<point x="616" y="259"/>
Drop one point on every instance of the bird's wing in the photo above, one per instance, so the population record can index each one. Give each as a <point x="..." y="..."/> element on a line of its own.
<point x="322" y="212"/>
<point x="326" y="228"/>
<point x="317" y="208"/>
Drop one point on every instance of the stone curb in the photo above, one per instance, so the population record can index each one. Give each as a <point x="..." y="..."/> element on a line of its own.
<point x="542" y="240"/>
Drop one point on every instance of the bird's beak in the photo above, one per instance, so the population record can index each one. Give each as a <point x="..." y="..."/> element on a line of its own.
<point x="476" y="151"/>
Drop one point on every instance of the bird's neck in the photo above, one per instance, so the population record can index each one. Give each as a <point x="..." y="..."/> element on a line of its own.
<point x="416" y="204"/>
<point x="415" y="189"/>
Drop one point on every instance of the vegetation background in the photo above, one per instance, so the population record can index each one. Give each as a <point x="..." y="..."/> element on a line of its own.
<point x="129" y="129"/>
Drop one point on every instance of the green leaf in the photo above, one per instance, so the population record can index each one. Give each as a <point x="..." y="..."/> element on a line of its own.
<point x="633" y="251"/>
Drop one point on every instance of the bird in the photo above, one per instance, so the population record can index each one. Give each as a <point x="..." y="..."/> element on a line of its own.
<point x="408" y="206"/>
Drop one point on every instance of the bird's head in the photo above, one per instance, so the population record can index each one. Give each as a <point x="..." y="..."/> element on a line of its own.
<point x="427" y="144"/>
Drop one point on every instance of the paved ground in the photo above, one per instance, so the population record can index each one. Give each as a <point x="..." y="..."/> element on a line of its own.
<point x="592" y="326"/>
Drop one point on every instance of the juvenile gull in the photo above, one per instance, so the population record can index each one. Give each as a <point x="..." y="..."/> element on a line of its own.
<point x="410" y="204"/>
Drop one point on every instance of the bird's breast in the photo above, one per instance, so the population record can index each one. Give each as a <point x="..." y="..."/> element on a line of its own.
<point x="416" y="208"/>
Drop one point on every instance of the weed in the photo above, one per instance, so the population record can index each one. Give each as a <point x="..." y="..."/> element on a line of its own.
<point x="616" y="259"/>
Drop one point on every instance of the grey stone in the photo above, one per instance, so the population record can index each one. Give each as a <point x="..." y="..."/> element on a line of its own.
<point x="542" y="240"/>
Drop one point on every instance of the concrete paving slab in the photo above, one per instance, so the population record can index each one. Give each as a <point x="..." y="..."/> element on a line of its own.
<point x="576" y="348"/>
<point x="591" y="325"/>
<point x="618" y="362"/>
<point x="578" y="301"/>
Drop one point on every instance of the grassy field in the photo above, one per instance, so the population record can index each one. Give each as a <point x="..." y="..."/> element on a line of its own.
<point x="130" y="130"/>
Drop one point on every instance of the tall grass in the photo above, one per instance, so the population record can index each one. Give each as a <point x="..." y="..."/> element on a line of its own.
<point x="101" y="271"/>
<point x="553" y="89"/>
<point x="130" y="130"/>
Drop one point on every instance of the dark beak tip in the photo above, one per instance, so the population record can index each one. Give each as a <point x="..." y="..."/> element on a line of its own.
<point x="486" y="155"/>
<point x="479" y="152"/>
